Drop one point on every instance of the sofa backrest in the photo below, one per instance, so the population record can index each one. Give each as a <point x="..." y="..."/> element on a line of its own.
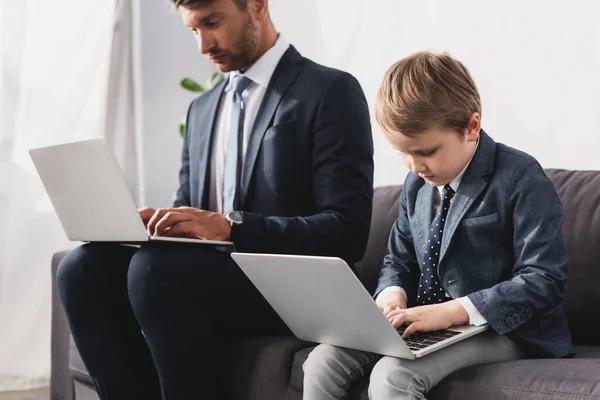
<point x="580" y="194"/>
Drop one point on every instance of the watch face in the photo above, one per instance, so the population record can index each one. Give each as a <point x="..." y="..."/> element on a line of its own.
<point x="236" y="217"/>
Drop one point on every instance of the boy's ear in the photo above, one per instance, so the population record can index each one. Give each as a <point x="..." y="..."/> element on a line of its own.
<point x="472" y="131"/>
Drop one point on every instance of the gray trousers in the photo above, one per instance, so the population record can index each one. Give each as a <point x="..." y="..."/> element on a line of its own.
<point x="329" y="371"/>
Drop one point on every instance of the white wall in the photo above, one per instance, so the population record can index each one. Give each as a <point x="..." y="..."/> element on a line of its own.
<point x="537" y="65"/>
<point x="169" y="53"/>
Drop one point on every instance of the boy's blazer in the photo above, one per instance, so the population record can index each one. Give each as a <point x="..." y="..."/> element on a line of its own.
<point x="502" y="247"/>
<point x="307" y="179"/>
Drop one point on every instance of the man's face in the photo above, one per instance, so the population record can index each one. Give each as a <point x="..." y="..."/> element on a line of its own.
<point x="436" y="155"/>
<point x="224" y="33"/>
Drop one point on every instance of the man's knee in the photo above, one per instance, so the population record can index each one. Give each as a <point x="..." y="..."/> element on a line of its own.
<point x="74" y="269"/>
<point x="150" y="277"/>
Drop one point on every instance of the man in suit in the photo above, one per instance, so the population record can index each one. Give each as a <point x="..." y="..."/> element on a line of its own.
<point x="477" y="240"/>
<point x="278" y="159"/>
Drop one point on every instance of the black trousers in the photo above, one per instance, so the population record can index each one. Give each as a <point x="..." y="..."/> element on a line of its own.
<point x="152" y="323"/>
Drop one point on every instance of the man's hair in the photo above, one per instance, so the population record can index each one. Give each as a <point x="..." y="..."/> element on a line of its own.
<point x="426" y="90"/>
<point x="190" y="4"/>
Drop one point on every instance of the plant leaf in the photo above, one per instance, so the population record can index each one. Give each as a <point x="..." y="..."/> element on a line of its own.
<point x="181" y="129"/>
<point x="216" y="78"/>
<point x="192" y="85"/>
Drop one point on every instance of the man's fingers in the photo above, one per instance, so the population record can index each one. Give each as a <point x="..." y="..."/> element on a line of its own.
<point x="168" y="221"/>
<point x="182" y="229"/>
<point x="146" y="213"/>
<point x="158" y="214"/>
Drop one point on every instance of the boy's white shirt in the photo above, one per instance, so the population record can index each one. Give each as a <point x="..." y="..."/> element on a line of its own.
<point x="475" y="317"/>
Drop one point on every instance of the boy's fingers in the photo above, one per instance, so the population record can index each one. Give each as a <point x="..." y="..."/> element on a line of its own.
<point x="412" y="328"/>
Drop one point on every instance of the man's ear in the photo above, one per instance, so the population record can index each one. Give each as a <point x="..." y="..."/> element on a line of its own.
<point x="259" y="8"/>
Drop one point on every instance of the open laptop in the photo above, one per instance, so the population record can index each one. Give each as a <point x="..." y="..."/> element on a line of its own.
<point x="321" y="300"/>
<point x="90" y="195"/>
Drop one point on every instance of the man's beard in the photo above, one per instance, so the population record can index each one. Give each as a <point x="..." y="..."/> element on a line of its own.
<point x="247" y="45"/>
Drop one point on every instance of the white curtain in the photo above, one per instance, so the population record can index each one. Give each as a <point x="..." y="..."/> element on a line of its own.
<point x="68" y="71"/>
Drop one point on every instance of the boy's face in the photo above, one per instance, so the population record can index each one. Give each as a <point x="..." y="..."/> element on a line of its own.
<point x="437" y="155"/>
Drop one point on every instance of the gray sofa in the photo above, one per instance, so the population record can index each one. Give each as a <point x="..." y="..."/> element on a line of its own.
<point x="270" y="367"/>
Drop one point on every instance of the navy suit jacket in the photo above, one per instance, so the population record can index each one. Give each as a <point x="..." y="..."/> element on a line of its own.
<point x="502" y="247"/>
<point x="307" y="181"/>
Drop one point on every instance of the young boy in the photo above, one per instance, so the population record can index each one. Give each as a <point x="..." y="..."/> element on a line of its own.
<point x="477" y="240"/>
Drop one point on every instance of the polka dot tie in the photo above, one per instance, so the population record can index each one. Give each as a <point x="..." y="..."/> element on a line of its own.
<point x="430" y="287"/>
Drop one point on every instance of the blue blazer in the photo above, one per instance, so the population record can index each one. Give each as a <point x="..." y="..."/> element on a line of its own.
<point x="502" y="247"/>
<point x="307" y="181"/>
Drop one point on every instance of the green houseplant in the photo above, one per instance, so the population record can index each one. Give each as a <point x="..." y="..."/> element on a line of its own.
<point x="195" y="87"/>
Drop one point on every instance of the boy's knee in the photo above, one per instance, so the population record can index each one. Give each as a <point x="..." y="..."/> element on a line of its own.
<point x="322" y="363"/>
<point x="390" y="378"/>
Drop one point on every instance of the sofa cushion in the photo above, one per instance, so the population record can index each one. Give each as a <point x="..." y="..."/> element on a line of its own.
<point x="571" y="379"/>
<point x="579" y="191"/>
<point x="257" y="368"/>
<point x="563" y="379"/>
<point x="385" y="211"/>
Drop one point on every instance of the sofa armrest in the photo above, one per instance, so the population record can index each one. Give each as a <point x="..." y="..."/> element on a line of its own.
<point x="61" y="383"/>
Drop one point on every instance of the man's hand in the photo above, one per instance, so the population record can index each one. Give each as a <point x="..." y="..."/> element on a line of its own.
<point x="391" y="301"/>
<point x="428" y="318"/>
<point x="146" y="213"/>
<point x="190" y="223"/>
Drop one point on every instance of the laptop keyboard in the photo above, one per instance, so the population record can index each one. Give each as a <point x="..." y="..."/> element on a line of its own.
<point x="420" y="340"/>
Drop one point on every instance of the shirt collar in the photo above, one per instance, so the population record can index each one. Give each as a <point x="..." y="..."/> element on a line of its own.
<point x="456" y="181"/>
<point x="262" y="70"/>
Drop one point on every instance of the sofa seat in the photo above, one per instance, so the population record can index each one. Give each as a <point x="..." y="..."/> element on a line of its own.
<point x="270" y="368"/>
<point x="568" y="379"/>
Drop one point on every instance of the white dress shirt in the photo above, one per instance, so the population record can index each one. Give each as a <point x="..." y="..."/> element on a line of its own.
<point x="260" y="73"/>
<point x="475" y="317"/>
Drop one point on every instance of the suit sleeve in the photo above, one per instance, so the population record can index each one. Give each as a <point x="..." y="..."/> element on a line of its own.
<point x="342" y="169"/>
<point x="182" y="197"/>
<point x="400" y="266"/>
<point x="539" y="278"/>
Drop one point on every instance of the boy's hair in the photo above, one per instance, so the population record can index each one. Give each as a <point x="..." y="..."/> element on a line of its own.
<point x="426" y="90"/>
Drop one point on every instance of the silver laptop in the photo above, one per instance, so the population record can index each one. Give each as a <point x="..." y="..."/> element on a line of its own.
<point x="321" y="300"/>
<point x="90" y="195"/>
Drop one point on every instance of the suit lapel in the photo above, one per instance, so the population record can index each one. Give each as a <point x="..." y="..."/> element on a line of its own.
<point x="471" y="185"/>
<point x="287" y="70"/>
<point x="424" y="213"/>
<point x="205" y="123"/>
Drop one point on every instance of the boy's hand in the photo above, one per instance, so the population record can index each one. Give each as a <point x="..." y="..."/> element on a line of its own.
<point x="391" y="301"/>
<point x="428" y="318"/>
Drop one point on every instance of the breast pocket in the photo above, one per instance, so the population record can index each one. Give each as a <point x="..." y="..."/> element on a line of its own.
<point x="287" y="129"/>
<point x="482" y="242"/>
<point x="481" y="234"/>
<point x="483" y="220"/>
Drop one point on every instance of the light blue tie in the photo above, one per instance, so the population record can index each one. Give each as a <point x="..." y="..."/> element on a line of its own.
<point x="233" y="158"/>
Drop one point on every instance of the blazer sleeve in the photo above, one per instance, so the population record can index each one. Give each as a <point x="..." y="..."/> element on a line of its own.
<point x="182" y="197"/>
<point x="400" y="265"/>
<point x="539" y="275"/>
<point x="342" y="169"/>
